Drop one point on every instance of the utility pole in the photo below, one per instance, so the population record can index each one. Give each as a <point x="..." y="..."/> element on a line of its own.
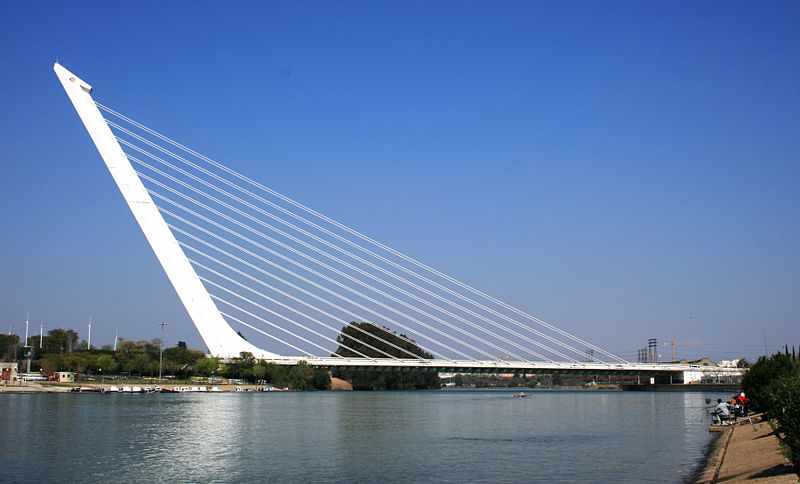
<point x="161" y="353"/>
<point x="116" y="338"/>
<point x="41" y="334"/>
<point x="652" y="350"/>
<point x="89" y="340"/>
<point x="27" y="347"/>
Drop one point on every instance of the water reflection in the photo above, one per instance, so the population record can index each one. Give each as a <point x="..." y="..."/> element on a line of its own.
<point x="443" y="436"/>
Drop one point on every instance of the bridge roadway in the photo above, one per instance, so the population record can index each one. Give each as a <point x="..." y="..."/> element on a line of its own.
<point x="491" y="366"/>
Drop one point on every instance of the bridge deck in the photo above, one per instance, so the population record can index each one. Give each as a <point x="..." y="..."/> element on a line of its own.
<point x="505" y="366"/>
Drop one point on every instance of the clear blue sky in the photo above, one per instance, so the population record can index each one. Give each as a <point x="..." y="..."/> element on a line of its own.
<point x="624" y="170"/>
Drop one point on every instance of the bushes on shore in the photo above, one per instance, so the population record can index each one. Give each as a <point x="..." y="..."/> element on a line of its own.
<point x="298" y="377"/>
<point x="773" y="386"/>
<point x="785" y="409"/>
<point x="762" y="375"/>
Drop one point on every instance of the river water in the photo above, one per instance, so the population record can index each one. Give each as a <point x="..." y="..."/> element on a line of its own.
<point x="428" y="436"/>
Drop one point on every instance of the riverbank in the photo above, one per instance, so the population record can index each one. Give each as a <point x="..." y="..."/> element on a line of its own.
<point x="748" y="452"/>
<point x="32" y="387"/>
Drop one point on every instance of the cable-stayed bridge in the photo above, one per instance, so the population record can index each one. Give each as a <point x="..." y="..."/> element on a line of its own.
<point x="260" y="272"/>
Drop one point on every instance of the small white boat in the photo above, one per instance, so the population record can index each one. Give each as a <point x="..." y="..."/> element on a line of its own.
<point x="215" y="389"/>
<point x="136" y="389"/>
<point x="113" y="389"/>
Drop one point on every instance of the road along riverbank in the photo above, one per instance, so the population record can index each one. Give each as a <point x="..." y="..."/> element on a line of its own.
<point x="749" y="452"/>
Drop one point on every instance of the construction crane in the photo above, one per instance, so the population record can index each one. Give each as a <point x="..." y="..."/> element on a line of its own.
<point x="674" y="342"/>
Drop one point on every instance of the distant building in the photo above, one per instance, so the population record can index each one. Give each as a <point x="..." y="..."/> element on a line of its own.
<point x="64" y="376"/>
<point x="8" y="372"/>
<point x="726" y="371"/>
<point x="699" y="362"/>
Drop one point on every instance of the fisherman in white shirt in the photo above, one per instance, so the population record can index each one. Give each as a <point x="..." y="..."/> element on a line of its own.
<point x="722" y="410"/>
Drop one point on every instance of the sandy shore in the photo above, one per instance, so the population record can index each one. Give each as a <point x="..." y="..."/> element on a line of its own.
<point x="747" y="453"/>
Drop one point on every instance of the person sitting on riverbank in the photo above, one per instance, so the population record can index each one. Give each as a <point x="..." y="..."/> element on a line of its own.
<point x="743" y="401"/>
<point x="735" y="407"/>
<point x="722" y="411"/>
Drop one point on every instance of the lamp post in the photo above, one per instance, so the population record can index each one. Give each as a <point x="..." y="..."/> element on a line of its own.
<point x="161" y="353"/>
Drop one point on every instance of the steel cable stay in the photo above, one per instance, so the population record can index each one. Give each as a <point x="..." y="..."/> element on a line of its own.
<point x="368" y="240"/>
<point x="293" y="298"/>
<point x="285" y="318"/>
<point x="400" y="313"/>
<point x="340" y="273"/>
<point x="299" y="289"/>
<point x="312" y="283"/>
<point x="261" y="331"/>
<point x="234" y="306"/>
<point x="383" y="293"/>
<point x="372" y="242"/>
<point x="299" y="313"/>
<point x="497" y="314"/>
<point x="371" y="276"/>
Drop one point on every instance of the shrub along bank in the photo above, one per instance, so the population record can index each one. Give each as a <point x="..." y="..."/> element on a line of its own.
<point x="773" y="386"/>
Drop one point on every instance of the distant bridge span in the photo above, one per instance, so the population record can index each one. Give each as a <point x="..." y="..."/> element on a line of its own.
<point x="680" y="373"/>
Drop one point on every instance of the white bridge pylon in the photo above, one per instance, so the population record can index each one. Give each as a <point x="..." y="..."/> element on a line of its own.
<point x="249" y="262"/>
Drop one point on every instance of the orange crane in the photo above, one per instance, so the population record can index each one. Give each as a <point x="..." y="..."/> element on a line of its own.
<point x="674" y="342"/>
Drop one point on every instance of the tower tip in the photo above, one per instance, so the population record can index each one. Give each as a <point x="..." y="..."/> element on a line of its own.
<point x="68" y="77"/>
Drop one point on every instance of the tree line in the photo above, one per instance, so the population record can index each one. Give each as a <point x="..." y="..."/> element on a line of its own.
<point x="773" y="386"/>
<point x="63" y="350"/>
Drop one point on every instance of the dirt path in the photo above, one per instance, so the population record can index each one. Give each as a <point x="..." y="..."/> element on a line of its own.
<point x="749" y="453"/>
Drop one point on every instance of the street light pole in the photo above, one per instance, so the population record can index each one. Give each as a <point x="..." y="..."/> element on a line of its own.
<point x="161" y="353"/>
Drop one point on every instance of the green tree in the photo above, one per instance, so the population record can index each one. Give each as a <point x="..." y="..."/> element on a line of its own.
<point x="60" y="341"/>
<point x="140" y="364"/>
<point x="8" y="346"/>
<point x="51" y="363"/>
<point x="757" y="382"/>
<point x="126" y="351"/>
<point x="206" y="366"/>
<point x="300" y="376"/>
<point x="181" y="361"/>
<point x="77" y="363"/>
<point x="107" y="364"/>
<point x="241" y="367"/>
<point x="359" y="340"/>
<point x="784" y="408"/>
